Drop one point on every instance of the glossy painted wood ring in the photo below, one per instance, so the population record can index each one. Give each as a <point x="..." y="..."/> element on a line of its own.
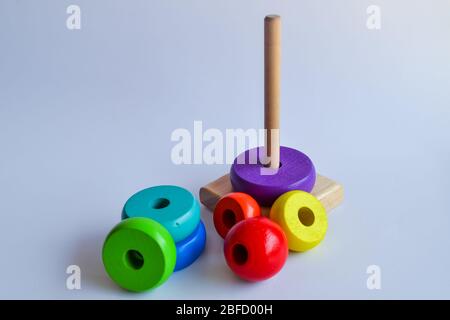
<point x="296" y="172"/>
<point x="302" y="217"/>
<point x="231" y="209"/>
<point x="172" y="206"/>
<point x="256" y="249"/>
<point x="190" y="249"/>
<point x="139" y="254"/>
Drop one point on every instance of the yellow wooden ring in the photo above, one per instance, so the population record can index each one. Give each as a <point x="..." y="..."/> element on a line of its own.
<point x="302" y="217"/>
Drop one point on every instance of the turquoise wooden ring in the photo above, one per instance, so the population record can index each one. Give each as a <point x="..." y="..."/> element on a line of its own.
<point x="172" y="206"/>
<point x="189" y="249"/>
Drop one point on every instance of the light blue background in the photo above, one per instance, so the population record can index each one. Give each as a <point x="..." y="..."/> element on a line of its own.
<point x="86" y="118"/>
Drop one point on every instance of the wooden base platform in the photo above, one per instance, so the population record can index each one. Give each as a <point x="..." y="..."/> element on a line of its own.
<point x="329" y="192"/>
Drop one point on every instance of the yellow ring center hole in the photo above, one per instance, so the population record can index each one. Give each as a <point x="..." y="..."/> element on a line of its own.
<point x="306" y="216"/>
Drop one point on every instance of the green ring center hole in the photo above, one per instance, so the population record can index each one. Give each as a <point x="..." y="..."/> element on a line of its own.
<point x="134" y="259"/>
<point x="306" y="216"/>
<point x="160" y="203"/>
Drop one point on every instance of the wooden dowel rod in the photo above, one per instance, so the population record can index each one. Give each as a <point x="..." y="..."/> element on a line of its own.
<point x="272" y="70"/>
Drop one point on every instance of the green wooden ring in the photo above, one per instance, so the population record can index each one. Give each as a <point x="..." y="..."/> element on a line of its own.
<point x="139" y="254"/>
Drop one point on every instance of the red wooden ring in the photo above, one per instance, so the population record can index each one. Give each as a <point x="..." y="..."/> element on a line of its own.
<point x="231" y="209"/>
<point x="256" y="249"/>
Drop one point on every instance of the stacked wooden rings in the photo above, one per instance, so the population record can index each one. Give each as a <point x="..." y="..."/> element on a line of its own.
<point x="161" y="232"/>
<point x="256" y="247"/>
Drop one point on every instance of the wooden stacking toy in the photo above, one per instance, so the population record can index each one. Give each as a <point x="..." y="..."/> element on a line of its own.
<point x="161" y="232"/>
<point x="272" y="201"/>
<point x="282" y="180"/>
<point x="292" y="169"/>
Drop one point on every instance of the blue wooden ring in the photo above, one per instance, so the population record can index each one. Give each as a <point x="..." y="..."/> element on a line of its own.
<point x="172" y="206"/>
<point x="189" y="249"/>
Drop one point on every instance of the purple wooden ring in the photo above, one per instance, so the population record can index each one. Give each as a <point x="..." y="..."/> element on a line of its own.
<point x="295" y="173"/>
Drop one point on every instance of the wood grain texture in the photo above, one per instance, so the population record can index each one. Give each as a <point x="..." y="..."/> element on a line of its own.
<point x="329" y="192"/>
<point x="272" y="75"/>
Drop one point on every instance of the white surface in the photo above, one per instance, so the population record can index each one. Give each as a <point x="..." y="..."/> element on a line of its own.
<point x="86" y="118"/>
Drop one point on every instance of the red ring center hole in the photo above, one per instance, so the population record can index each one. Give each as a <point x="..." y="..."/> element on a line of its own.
<point x="240" y="254"/>
<point x="229" y="218"/>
